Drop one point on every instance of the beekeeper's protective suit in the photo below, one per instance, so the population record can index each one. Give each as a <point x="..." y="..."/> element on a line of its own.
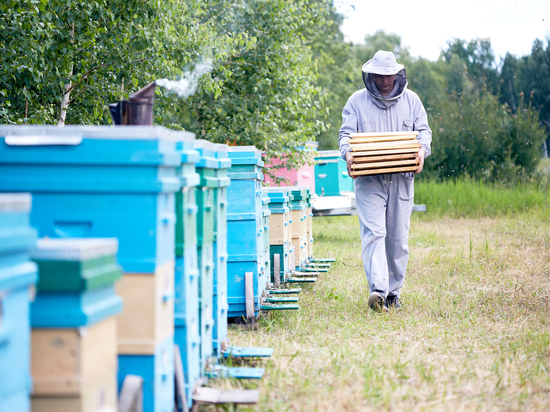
<point x="384" y="202"/>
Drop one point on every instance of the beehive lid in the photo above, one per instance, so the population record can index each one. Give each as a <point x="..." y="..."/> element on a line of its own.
<point x="15" y="202"/>
<point x="74" y="249"/>
<point x="222" y="153"/>
<point x="73" y="135"/>
<point x="245" y="155"/>
<point x="329" y="153"/>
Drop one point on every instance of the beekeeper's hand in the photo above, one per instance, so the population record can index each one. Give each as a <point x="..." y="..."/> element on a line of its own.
<point x="420" y="156"/>
<point x="349" y="161"/>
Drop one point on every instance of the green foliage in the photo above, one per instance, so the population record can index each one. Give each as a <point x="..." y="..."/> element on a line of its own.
<point x="97" y="51"/>
<point x="339" y="75"/>
<point x="268" y="97"/>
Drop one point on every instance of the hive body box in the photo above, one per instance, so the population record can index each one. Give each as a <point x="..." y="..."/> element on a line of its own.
<point x="75" y="369"/>
<point x="245" y="242"/>
<point x="98" y="182"/>
<point x="298" y="205"/>
<point x="17" y="275"/>
<point x="74" y="335"/>
<point x="331" y="174"/>
<point x="280" y="230"/>
<point x="110" y="182"/>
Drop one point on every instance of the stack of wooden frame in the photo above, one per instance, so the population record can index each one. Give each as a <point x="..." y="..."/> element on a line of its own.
<point x="387" y="152"/>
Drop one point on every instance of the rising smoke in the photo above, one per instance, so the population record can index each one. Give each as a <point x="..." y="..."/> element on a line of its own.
<point x="189" y="82"/>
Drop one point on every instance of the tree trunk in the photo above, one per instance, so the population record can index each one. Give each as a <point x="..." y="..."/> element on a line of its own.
<point x="66" y="93"/>
<point x="65" y="101"/>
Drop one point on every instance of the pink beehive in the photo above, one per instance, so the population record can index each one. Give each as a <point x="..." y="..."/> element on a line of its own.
<point x="304" y="176"/>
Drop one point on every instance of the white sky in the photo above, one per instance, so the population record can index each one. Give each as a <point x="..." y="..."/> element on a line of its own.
<point x="425" y="26"/>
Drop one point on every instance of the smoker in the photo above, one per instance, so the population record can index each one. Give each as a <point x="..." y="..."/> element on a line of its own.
<point x="137" y="110"/>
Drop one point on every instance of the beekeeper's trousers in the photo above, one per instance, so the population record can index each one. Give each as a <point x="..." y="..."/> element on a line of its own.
<point x="384" y="206"/>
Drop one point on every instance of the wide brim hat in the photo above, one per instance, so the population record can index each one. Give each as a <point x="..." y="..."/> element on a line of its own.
<point x="383" y="63"/>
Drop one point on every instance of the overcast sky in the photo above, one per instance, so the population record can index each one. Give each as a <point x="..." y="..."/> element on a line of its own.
<point x="425" y="26"/>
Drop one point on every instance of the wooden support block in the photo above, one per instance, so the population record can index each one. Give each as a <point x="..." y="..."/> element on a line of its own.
<point x="380" y="171"/>
<point x="131" y="394"/>
<point x="394" y="163"/>
<point x="217" y="396"/>
<point x="181" y="395"/>
<point x="277" y="269"/>
<point x="249" y="294"/>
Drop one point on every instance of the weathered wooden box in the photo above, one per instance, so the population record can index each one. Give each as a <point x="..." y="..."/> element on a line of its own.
<point x="388" y="152"/>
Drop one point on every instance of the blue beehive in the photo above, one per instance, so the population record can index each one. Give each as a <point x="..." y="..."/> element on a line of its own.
<point x="110" y="182"/>
<point x="245" y="241"/>
<point x="17" y="274"/>
<point x="98" y="182"/>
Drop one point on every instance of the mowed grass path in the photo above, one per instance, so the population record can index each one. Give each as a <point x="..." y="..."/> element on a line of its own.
<point x="474" y="333"/>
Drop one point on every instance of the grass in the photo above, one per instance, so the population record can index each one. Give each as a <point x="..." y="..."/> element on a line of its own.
<point x="469" y="198"/>
<point x="474" y="333"/>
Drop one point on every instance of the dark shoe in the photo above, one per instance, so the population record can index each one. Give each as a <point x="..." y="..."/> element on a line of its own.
<point x="393" y="302"/>
<point x="377" y="302"/>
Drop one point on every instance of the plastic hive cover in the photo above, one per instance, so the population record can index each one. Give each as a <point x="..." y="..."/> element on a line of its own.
<point x="72" y="134"/>
<point x="73" y="249"/>
<point x="15" y="202"/>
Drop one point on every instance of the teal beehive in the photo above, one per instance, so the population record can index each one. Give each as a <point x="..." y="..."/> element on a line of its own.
<point x="331" y="174"/>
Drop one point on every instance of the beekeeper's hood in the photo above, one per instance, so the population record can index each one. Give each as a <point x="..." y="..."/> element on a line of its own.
<point x="384" y="63"/>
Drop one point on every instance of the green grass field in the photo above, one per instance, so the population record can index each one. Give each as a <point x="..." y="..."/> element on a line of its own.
<point x="474" y="333"/>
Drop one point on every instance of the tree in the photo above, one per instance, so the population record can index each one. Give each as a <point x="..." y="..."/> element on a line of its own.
<point x="268" y="97"/>
<point x="480" y="62"/>
<point x="73" y="57"/>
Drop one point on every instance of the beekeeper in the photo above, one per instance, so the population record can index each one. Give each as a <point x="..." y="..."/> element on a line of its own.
<point x="385" y="201"/>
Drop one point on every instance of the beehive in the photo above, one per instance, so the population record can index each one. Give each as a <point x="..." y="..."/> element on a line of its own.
<point x="388" y="152"/>
<point x="280" y="236"/>
<point x="245" y="241"/>
<point x="17" y="276"/>
<point x="331" y="174"/>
